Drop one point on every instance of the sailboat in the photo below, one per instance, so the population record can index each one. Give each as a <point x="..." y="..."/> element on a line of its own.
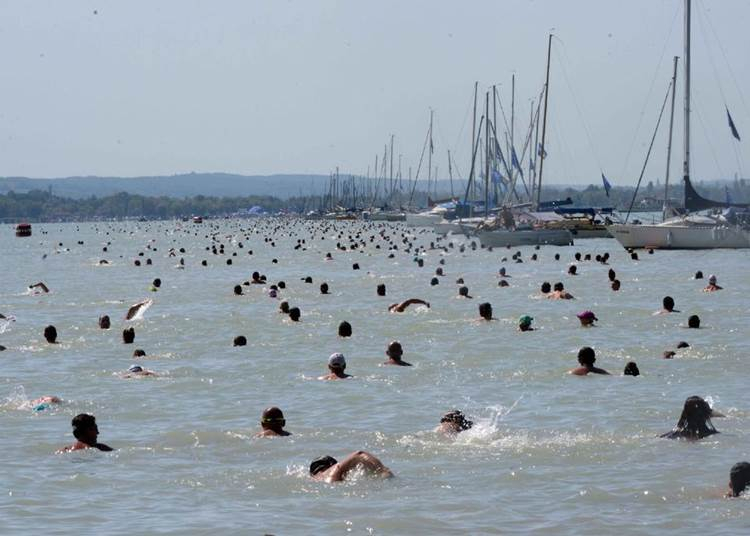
<point x="729" y="229"/>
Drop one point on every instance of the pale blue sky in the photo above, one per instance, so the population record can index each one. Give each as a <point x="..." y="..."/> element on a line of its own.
<point x="163" y="87"/>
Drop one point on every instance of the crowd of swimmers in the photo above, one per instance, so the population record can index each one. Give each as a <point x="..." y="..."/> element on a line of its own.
<point x="694" y="422"/>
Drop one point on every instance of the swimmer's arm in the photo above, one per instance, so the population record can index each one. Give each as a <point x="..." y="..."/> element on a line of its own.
<point x="40" y="285"/>
<point x="104" y="448"/>
<point x="413" y="301"/>
<point x="367" y="460"/>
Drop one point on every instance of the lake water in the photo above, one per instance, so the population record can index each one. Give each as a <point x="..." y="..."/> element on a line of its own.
<point x="549" y="453"/>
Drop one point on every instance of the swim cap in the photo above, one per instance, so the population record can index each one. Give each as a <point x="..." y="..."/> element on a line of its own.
<point x="272" y="293"/>
<point x="321" y="464"/>
<point x="712" y="278"/>
<point x="587" y="315"/>
<point x="739" y="476"/>
<point x="337" y="360"/>
<point x="525" y="320"/>
<point x="135" y="368"/>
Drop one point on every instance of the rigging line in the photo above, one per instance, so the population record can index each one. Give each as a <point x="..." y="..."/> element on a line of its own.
<point x="575" y="102"/>
<point x="729" y="65"/>
<point x="707" y="48"/>
<point x="648" y="153"/>
<point x="421" y="158"/>
<point x="706" y="135"/>
<point x="648" y="95"/>
<point x="459" y="137"/>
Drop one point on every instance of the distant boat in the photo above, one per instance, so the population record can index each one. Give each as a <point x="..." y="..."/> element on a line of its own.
<point x="23" y="229"/>
<point x="524" y="237"/>
<point x="197" y="219"/>
<point x="730" y="229"/>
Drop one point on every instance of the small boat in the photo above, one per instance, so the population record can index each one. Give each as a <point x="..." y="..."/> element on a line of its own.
<point x="197" y="219"/>
<point x="498" y="238"/>
<point x="23" y="229"/>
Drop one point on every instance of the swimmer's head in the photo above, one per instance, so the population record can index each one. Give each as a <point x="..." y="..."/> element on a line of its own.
<point x="345" y="329"/>
<point x="463" y="291"/>
<point x="587" y="318"/>
<point x="698" y="275"/>
<point x="616" y="285"/>
<point x="294" y="314"/>
<point x="586" y="356"/>
<point x="381" y="289"/>
<point x="135" y="369"/>
<point x="694" y="322"/>
<point x="85" y="429"/>
<point x="558" y="287"/>
<point x="128" y="335"/>
<point x="240" y="340"/>
<point x="50" y="334"/>
<point x="238" y="290"/>
<point x="682" y="344"/>
<point x="321" y="464"/>
<point x="272" y="418"/>
<point x="572" y="269"/>
<point x="712" y="279"/>
<point x="139" y="353"/>
<point x="696" y="415"/>
<point x="395" y="351"/>
<point x="434" y="281"/>
<point x="668" y="303"/>
<point x="631" y="369"/>
<point x="546" y="287"/>
<point x="324" y="288"/>
<point x="503" y="283"/>
<point x="457" y="419"/>
<point x="739" y="478"/>
<point x="524" y="323"/>
<point x="284" y="307"/>
<point x="337" y="362"/>
<point x="157" y="282"/>
<point x="485" y="310"/>
<point x="104" y="322"/>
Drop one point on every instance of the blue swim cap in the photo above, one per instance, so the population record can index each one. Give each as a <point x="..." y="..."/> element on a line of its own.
<point x="135" y="368"/>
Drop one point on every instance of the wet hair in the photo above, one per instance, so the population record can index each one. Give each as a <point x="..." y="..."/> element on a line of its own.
<point x="694" y="321"/>
<point x="324" y="288"/>
<point x="698" y="275"/>
<point x="682" y="344"/>
<point x="668" y="303"/>
<point x="434" y="281"/>
<point x="557" y="256"/>
<point x="281" y="284"/>
<point x="616" y="284"/>
<point x="503" y="283"/>
<point x="695" y="420"/>
<point x="381" y="289"/>
<point x="81" y="423"/>
<point x="457" y="417"/>
<point x="485" y="310"/>
<point x="128" y="335"/>
<point x="240" y="340"/>
<point x="139" y="353"/>
<point x="104" y="322"/>
<point x="546" y="287"/>
<point x="631" y="369"/>
<point x="345" y="329"/>
<point x="308" y="279"/>
<point x="238" y="290"/>
<point x="586" y="356"/>
<point x="739" y="477"/>
<point x="558" y="287"/>
<point x="321" y="464"/>
<point x="157" y="282"/>
<point x="50" y="333"/>
<point x="284" y="307"/>
<point x="611" y="274"/>
<point x="295" y="313"/>
<point x="463" y="291"/>
<point x="572" y="269"/>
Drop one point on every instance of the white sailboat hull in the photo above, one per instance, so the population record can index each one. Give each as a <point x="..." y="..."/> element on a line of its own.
<point x="422" y="219"/>
<point x="680" y="236"/>
<point x="531" y="237"/>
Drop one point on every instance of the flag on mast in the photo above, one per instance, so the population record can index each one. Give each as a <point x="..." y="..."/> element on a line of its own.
<point x="732" y="127"/>
<point x="607" y="185"/>
<point x="514" y="161"/>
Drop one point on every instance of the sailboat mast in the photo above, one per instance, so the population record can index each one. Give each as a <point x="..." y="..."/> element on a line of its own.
<point x="429" y="162"/>
<point x="474" y="133"/>
<point x="450" y="171"/>
<point x="686" y="161"/>
<point x="669" y="143"/>
<point x="487" y="156"/>
<point x="391" y="164"/>
<point x="544" y="125"/>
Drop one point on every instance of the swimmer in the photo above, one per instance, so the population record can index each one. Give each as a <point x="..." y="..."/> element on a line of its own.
<point x="667" y="305"/>
<point x="453" y="423"/>
<point x="50" y="334"/>
<point x="136" y="308"/>
<point x="104" y="322"/>
<point x="546" y="288"/>
<point x="128" y="335"/>
<point x="336" y="368"/>
<point x="294" y="314"/>
<point x="559" y="293"/>
<point x="587" y="358"/>
<point x="86" y="433"/>
<point x="240" y="340"/>
<point x="137" y="371"/>
<point x="615" y="285"/>
<point x="155" y="285"/>
<point x="394" y="353"/>
<point x="44" y="402"/>
<point x="524" y="323"/>
<point x="329" y="470"/>
<point x="345" y="329"/>
<point x="401" y="307"/>
<point x="39" y="288"/>
<point x="485" y="311"/>
<point x="463" y="292"/>
<point x="631" y="369"/>
<point x="272" y="423"/>
<point x="712" y="286"/>
<point x="739" y="478"/>
<point x="694" y="322"/>
<point x="284" y="307"/>
<point x="587" y="319"/>
<point x="695" y="421"/>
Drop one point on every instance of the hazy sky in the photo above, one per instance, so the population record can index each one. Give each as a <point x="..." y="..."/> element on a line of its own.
<point x="162" y="87"/>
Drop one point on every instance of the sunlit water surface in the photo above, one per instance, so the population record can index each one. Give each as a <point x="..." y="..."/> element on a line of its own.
<point x="550" y="453"/>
